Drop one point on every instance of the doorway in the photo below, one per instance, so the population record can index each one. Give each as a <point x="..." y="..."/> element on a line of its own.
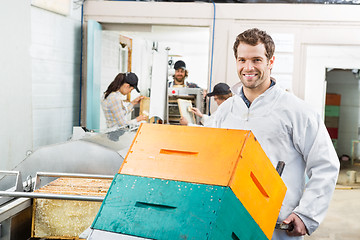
<point x="342" y="114"/>
<point x="190" y="44"/>
<point x="334" y="65"/>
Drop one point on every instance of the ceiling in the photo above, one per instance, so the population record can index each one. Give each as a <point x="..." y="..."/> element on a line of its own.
<point x="269" y="1"/>
<point x="197" y="35"/>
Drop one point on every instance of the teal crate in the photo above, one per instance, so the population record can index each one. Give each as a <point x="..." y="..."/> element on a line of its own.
<point x="334" y="141"/>
<point x="332" y="111"/>
<point x="164" y="209"/>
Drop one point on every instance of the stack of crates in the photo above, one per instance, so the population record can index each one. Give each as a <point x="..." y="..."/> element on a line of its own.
<point x="198" y="183"/>
<point x="332" y="113"/>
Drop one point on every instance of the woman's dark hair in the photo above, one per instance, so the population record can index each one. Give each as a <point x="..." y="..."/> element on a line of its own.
<point x="115" y="85"/>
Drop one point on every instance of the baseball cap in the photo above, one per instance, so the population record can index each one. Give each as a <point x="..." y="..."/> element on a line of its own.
<point x="220" y="89"/>
<point x="180" y="64"/>
<point x="132" y="80"/>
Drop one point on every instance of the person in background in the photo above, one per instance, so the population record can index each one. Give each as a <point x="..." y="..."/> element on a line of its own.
<point x="221" y="92"/>
<point x="181" y="73"/>
<point x="287" y="129"/>
<point x="117" y="111"/>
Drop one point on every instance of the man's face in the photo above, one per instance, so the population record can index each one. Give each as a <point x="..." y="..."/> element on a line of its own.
<point x="218" y="101"/>
<point x="253" y="68"/>
<point x="180" y="75"/>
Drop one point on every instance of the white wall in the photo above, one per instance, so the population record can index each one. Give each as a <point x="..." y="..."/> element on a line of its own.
<point x="196" y="58"/>
<point x="15" y="76"/>
<point x="190" y="44"/>
<point x="55" y="53"/>
<point x="323" y="24"/>
<point x="40" y="66"/>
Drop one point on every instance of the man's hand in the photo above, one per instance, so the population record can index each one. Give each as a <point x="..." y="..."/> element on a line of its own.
<point x="141" y="118"/>
<point x="299" y="226"/>
<point x="197" y="112"/>
<point x="183" y="121"/>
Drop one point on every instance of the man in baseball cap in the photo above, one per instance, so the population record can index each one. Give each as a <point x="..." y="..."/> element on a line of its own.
<point x="181" y="73"/>
<point x="221" y="92"/>
<point x="180" y="64"/>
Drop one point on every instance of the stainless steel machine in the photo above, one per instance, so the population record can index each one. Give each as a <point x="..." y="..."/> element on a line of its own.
<point x="174" y="93"/>
<point x="96" y="155"/>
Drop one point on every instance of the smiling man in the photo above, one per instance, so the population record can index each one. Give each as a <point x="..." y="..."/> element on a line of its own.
<point x="181" y="73"/>
<point x="287" y="129"/>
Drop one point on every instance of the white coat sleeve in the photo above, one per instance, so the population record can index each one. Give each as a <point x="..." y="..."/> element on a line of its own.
<point x="322" y="168"/>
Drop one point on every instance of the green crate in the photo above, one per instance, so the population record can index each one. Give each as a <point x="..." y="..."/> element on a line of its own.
<point x="164" y="209"/>
<point x="332" y="111"/>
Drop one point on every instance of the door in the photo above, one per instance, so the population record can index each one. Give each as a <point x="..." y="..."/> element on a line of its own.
<point x="93" y="79"/>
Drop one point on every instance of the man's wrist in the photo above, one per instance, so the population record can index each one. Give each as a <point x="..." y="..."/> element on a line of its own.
<point x="303" y="219"/>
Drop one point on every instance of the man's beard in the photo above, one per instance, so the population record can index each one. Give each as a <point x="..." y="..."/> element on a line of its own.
<point x="179" y="79"/>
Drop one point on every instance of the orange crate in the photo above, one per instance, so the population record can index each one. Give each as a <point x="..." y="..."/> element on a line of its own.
<point x="258" y="185"/>
<point x="333" y="99"/>
<point x="190" y="154"/>
<point x="223" y="157"/>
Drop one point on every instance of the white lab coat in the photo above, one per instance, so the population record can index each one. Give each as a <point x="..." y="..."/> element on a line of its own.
<point x="290" y="131"/>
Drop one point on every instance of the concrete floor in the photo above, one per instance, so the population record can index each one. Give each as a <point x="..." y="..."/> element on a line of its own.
<point x="342" y="221"/>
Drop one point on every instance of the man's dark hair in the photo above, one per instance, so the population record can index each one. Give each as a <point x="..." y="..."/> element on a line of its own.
<point x="115" y="84"/>
<point x="224" y="96"/>
<point x="253" y="37"/>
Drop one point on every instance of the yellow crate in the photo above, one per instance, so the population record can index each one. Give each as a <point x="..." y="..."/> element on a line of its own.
<point x="66" y="219"/>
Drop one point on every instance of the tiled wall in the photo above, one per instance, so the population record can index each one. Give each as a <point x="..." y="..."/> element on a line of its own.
<point x="55" y="55"/>
<point x="15" y="92"/>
